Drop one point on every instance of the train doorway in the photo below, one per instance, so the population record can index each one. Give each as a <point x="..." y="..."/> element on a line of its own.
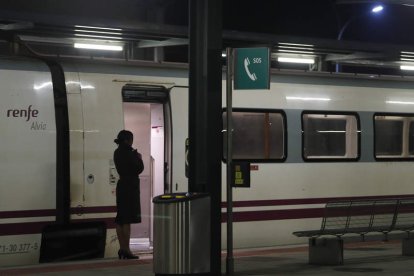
<point x="145" y="112"/>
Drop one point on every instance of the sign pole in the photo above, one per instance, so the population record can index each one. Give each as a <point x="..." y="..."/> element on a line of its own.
<point x="252" y="66"/>
<point x="229" y="103"/>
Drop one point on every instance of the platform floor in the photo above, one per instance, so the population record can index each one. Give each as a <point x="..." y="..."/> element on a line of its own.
<point x="368" y="258"/>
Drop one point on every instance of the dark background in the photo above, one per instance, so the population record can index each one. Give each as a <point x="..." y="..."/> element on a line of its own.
<point x="310" y="18"/>
<point x="314" y="19"/>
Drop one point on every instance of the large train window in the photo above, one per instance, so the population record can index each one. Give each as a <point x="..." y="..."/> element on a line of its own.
<point x="394" y="136"/>
<point x="258" y="135"/>
<point x="330" y="136"/>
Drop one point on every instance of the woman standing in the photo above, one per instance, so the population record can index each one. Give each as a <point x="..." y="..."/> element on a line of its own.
<point x="129" y="165"/>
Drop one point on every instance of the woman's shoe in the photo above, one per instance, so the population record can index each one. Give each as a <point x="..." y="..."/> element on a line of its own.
<point x="129" y="255"/>
<point x="122" y="254"/>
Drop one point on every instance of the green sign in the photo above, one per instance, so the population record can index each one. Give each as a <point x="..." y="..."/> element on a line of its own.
<point x="251" y="68"/>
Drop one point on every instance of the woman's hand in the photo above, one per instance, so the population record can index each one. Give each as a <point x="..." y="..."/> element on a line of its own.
<point x="135" y="151"/>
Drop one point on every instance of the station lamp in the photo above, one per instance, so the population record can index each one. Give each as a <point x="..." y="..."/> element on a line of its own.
<point x="407" y="61"/>
<point x="295" y="53"/>
<point x="296" y="60"/>
<point x="377" y="9"/>
<point x="96" y="46"/>
<point x="407" y="67"/>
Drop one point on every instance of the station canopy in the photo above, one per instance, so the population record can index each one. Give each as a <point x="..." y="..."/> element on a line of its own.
<point x="54" y="36"/>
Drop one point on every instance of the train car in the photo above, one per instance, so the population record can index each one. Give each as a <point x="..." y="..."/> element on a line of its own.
<point x="311" y="138"/>
<point x="49" y="110"/>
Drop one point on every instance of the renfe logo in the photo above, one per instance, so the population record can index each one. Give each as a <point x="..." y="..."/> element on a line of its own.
<point x="23" y="113"/>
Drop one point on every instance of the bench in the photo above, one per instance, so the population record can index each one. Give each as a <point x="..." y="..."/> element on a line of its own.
<point x="345" y="220"/>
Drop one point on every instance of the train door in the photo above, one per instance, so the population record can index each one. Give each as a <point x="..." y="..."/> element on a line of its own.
<point x="145" y="112"/>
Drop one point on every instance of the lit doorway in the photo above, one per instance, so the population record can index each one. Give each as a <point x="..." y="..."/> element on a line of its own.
<point x="145" y="112"/>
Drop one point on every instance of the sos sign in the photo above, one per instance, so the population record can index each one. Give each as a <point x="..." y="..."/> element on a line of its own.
<point x="252" y="68"/>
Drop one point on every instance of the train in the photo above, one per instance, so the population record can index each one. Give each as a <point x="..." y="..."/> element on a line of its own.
<point x="311" y="138"/>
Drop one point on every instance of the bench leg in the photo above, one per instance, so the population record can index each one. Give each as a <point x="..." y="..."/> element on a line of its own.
<point x="324" y="251"/>
<point x="408" y="247"/>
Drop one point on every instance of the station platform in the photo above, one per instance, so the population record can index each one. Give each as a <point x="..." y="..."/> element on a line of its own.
<point x="366" y="258"/>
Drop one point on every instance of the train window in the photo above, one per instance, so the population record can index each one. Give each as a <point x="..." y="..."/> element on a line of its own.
<point x="394" y="136"/>
<point x="258" y="136"/>
<point x="330" y="136"/>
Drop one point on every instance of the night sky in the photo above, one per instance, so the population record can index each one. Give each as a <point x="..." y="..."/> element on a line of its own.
<point x="313" y="18"/>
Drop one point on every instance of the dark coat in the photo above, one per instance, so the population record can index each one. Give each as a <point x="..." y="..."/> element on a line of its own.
<point x="128" y="163"/>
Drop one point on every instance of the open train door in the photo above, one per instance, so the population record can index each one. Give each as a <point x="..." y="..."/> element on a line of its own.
<point x="147" y="115"/>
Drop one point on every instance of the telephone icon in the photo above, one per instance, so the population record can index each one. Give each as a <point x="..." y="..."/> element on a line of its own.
<point x="252" y="76"/>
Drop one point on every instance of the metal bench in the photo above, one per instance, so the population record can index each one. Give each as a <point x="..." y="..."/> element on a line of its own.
<point x="345" y="220"/>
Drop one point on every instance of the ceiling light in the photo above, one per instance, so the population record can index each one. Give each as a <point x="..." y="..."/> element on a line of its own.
<point x="407" y="67"/>
<point x="97" y="32"/>
<point x="91" y="36"/>
<point x="295" y="44"/>
<point x="296" y="60"/>
<point x="105" y="47"/>
<point x="97" y="28"/>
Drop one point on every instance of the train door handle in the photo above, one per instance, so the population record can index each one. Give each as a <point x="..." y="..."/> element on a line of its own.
<point x="90" y="179"/>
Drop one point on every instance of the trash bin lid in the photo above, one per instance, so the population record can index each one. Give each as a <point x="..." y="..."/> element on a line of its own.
<point x="178" y="197"/>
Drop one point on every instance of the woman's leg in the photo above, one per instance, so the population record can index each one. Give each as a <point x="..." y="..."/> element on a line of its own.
<point x="123" y="242"/>
<point x="124" y="234"/>
<point x="127" y="235"/>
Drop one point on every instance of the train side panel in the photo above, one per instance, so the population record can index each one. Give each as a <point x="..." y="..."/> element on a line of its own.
<point x="289" y="196"/>
<point x="96" y="115"/>
<point x="27" y="163"/>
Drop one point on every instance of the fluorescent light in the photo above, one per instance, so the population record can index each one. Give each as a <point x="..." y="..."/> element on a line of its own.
<point x="97" y="32"/>
<point x="407" y="67"/>
<point x="331" y="131"/>
<point x="98" y="28"/>
<point x="106" y="47"/>
<point x="99" y="36"/>
<point x="335" y="131"/>
<point x="287" y="51"/>
<point x="295" y="44"/>
<point x="296" y="60"/>
<point x="308" y="99"/>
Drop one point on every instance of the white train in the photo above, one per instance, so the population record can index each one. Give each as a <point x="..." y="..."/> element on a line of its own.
<point x="311" y="138"/>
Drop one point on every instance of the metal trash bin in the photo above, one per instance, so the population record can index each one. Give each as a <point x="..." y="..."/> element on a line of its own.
<point x="181" y="233"/>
